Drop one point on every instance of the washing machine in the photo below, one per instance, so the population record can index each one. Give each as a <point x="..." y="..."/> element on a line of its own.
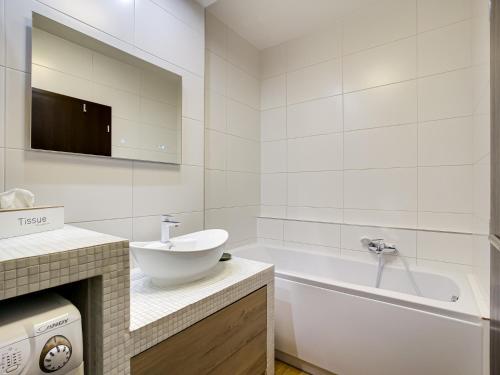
<point x="39" y="335"/>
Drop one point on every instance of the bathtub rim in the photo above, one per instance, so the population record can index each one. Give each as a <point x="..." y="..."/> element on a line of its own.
<point x="466" y="308"/>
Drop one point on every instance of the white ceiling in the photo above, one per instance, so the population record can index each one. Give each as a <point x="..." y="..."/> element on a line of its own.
<point x="266" y="23"/>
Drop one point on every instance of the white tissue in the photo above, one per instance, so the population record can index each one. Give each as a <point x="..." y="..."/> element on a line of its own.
<point x="16" y="198"/>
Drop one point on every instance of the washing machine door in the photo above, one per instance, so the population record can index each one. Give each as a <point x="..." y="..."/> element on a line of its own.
<point x="58" y="352"/>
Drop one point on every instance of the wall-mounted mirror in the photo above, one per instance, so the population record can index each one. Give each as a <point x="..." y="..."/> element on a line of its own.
<point x="91" y="98"/>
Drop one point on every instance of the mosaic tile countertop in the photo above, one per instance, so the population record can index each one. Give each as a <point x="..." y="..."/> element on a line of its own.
<point x="149" y="303"/>
<point x="50" y="242"/>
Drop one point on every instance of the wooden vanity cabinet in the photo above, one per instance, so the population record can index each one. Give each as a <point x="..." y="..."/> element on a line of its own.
<point x="232" y="341"/>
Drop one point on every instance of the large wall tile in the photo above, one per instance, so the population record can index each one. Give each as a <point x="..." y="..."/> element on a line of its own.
<point x="314" y="82"/>
<point x="320" y="46"/>
<point x="215" y="189"/>
<point x="322" y="234"/>
<point x="273" y="211"/>
<point x="160" y="33"/>
<point x="382" y="189"/>
<point x="382" y="218"/>
<point x="445" y="189"/>
<point x="433" y="14"/>
<point x="445" y="49"/>
<point x="242" y="54"/>
<point x="17" y="108"/>
<point x="193" y="137"/>
<point x="2" y="168"/>
<point x="188" y="11"/>
<point x="379" y="23"/>
<point x="446" y="247"/>
<point x="243" y="87"/>
<point x="273" y="189"/>
<point x="215" y="150"/>
<point x="89" y="188"/>
<point x="2" y="106"/>
<point x="111" y="16"/>
<point x="215" y="73"/>
<point x="393" y="146"/>
<point x="215" y="35"/>
<point x="324" y="214"/>
<point x="315" y="189"/>
<point x="394" y="62"/>
<point x="242" y="120"/>
<point x="270" y="228"/>
<point x="273" y="92"/>
<point x="243" y="189"/>
<point x="445" y="142"/>
<point x="243" y="155"/>
<point x="273" y="157"/>
<point x="445" y="95"/>
<point x="215" y="111"/>
<point x="387" y="105"/>
<point x="18" y="34"/>
<point x="317" y="153"/>
<point x="193" y="101"/>
<point x="2" y="33"/>
<point x="160" y="189"/>
<point x="273" y="124"/>
<point x="444" y="221"/>
<point x="314" y="117"/>
<point x="240" y="222"/>
<point x="114" y="227"/>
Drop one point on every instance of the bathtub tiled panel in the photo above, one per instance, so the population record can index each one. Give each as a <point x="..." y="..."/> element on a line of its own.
<point x="233" y="99"/>
<point x="407" y="116"/>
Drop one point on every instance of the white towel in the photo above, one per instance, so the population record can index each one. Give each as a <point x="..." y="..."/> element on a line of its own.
<point x="16" y="198"/>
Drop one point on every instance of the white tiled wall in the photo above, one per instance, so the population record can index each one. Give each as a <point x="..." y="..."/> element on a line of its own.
<point x="232" y="131"/>
<point x="113" y="196"/>
<point x="379" y="123"/>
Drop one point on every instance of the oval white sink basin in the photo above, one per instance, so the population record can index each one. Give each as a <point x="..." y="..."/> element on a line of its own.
<point x="186" y="258"/>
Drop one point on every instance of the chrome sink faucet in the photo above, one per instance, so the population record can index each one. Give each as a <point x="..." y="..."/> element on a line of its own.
<point x="166" y="223"/>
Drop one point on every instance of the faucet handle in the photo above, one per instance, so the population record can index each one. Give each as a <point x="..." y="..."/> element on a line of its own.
<point x="365" y="241"/>
<point x="165" y="218"/>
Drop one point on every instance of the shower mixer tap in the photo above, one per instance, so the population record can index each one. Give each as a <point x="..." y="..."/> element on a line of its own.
<point x="378" y="246"/>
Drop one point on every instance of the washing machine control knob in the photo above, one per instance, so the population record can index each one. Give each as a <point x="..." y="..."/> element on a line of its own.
<point x="55" y="354"/>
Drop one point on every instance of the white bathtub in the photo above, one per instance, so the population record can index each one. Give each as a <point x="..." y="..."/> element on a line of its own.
<point x="329" y="314"/>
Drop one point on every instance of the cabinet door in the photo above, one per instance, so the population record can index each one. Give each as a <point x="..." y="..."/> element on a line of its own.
<point x="63" y="123"/>
<point x="233" y="341"/>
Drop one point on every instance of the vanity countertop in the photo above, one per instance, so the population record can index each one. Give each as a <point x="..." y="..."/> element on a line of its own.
<point x="135" y="314"/>
<point x="149" y="303"/>
<point x="54" y="241"/>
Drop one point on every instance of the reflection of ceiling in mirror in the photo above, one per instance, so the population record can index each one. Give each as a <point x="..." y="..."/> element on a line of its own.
<point x="145" y="100"/>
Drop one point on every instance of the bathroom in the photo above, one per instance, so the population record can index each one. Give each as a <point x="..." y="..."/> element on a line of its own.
<point x="249" y="187"/>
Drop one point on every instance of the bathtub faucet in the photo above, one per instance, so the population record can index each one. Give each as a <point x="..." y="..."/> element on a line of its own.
<point x="378" y="246"/>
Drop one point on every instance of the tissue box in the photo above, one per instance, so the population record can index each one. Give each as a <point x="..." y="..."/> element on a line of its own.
<point x="22" y="221"/>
